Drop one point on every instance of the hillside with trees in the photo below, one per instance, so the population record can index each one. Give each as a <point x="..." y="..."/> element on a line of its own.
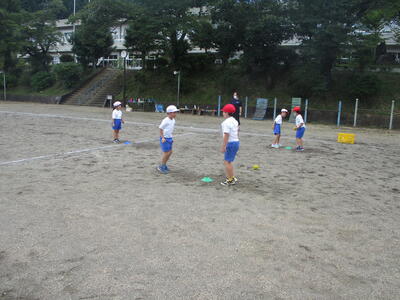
<point x="341" y="53"/>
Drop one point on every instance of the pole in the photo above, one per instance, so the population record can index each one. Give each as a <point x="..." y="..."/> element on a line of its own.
<point x="275" y="100"/>
<point x="355" y="114"/>
<point x="4" y="86"/>
<point x="219" y="106"/>
<point x="339" y="112"/>
<point x="245" y="107"/>
<point x="124" y="90"/>
<point x="391" y="116"/>
<point x="305" y="111"/>
<point x="179" y="87"/>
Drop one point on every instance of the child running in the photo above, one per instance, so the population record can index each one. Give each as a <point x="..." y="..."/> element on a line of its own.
<point x="300" y="128"/>
<point x="230" y="146"/>
<point x="166" y="128"/>
<point x="117" y="120"/>
<point x="277" y="128"/>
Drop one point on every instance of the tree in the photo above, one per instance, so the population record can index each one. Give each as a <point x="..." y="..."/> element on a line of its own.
<point x="264" y="33"/>
<point x="143" y="34"/>
<point x="92" y="39"/>
<point x="202" y="34"/>
<point x="230" y="18"/>
<point x="10" y="40"/>
<point x="175" y="21"/>
<point x="40" y="35"/>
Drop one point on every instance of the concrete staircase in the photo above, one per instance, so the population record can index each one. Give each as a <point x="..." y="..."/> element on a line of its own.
<point x="95" y="91"/>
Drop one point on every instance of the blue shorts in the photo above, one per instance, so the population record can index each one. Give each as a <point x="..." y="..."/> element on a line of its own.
<point x="300" y="132"/>
<point x="167" y="145"/>
<point x="117" y="124"/>
<point x="277" y="129"/>
<point x="231" y="150"/>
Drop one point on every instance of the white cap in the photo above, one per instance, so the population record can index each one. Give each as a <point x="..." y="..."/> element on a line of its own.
<point x="117" y="103"/>
<point x="172" y="108"/>
<point x="284" y="110"/>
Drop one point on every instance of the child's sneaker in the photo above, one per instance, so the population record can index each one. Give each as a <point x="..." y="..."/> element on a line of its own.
<point x="298" y="148"/>
<point x="228" y="182"/>
<point x="275" y="146"/>
<point x="115" y="141"/>
<point x="166" y="168"/>
<point x="162" y="170"/>
<point x="235" y="179"/>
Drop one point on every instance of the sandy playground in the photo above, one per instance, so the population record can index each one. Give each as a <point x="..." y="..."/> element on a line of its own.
<point x="83" y="218"/>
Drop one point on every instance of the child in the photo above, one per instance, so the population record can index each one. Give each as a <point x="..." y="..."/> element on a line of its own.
<point x="230" y="146"/>
<point x="300" y="128"/>
<point x="277" y="128"/>
<point x="166" y="128"/>
<point x="117" y="120"/>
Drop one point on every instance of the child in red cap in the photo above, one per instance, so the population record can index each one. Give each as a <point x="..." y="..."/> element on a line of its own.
<point x="300" y="128"/>
<point x="230" y="146"/>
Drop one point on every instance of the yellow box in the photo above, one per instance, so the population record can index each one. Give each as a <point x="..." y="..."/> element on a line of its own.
<point x="346" y="138"/>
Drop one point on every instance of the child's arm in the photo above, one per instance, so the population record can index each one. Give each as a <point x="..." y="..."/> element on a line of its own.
<point x="273" y="125"/>
<point x="225" y="142"/>
<point x="162" y="135"/>
<point x="113" y="123"/>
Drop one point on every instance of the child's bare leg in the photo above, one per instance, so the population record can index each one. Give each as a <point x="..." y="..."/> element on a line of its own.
<point x="228" y="169"/>
<point x="298" y="142"/>
<point x="115" y="134"/>
<point x="301" y="143"/>
<point x="278" y="139"/>
<point x="165" y="157"/>
<point x="275" y="140"/>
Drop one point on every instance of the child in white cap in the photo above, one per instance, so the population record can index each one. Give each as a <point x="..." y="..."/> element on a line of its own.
<point x="276" y="127"/>
<point x="166" y="129"/>
<point x="117" y="120"/>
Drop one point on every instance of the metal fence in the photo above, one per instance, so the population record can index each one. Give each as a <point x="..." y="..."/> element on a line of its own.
<point x="341" y="116"/>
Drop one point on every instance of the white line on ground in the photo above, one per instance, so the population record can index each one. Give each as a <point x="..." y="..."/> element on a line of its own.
<point x="70" y="153"/>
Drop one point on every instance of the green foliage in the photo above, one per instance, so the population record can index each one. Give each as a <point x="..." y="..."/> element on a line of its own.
<point x="68" y="73"/>
<point x="66" y="58"/>
<point x="364" y="87"/>
<point x="306" y="82"/>
<point x="42" y="80"/>
<point x="93" y="40"/>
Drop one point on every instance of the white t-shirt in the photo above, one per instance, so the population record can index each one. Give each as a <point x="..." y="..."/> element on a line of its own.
<point x="167" y="125"/>
<point x="278" y="120"/>
<point x="231" y="126"/>
<point x="299" y="120"/>
<point x="117" y="114"/>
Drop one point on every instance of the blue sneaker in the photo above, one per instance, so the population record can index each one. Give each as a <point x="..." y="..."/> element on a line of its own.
<point x="162" y="170"/>
<point x="166" y="168"/>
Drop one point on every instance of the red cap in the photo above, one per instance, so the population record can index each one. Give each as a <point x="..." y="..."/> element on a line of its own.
<point x="229" y="108"/>
<point x="297" y="109"/>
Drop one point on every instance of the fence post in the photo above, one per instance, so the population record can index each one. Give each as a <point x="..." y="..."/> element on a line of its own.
<point x="305" y="111"/>
<point x="339" y="112"/>
<point x="274" y="108"/>
<point x="245" y="107"/>
<point x="219" y="106"/>
<point x="391" y="116"/>
<point x="355" y="113"/>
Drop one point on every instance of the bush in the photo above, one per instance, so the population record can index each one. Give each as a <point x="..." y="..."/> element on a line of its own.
<point x="66" y="58"/>
<point x="306" y="81"/>
<point x="364" y="86"/>
<point x="68" y="73"/>
<point x="42" y="80"/>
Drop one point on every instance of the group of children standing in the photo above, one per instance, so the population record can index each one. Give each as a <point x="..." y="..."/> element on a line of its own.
<point x="230" y="135"/>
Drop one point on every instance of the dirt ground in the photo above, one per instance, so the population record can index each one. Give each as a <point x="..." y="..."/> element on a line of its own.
<point x="83" y="218"/>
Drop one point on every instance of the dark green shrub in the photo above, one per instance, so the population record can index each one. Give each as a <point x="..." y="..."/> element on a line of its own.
<point x="42" y="80"/>
<point x="364" y="87"/>
<point x="69" y="73"/>
<point x="66" y="58"/>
